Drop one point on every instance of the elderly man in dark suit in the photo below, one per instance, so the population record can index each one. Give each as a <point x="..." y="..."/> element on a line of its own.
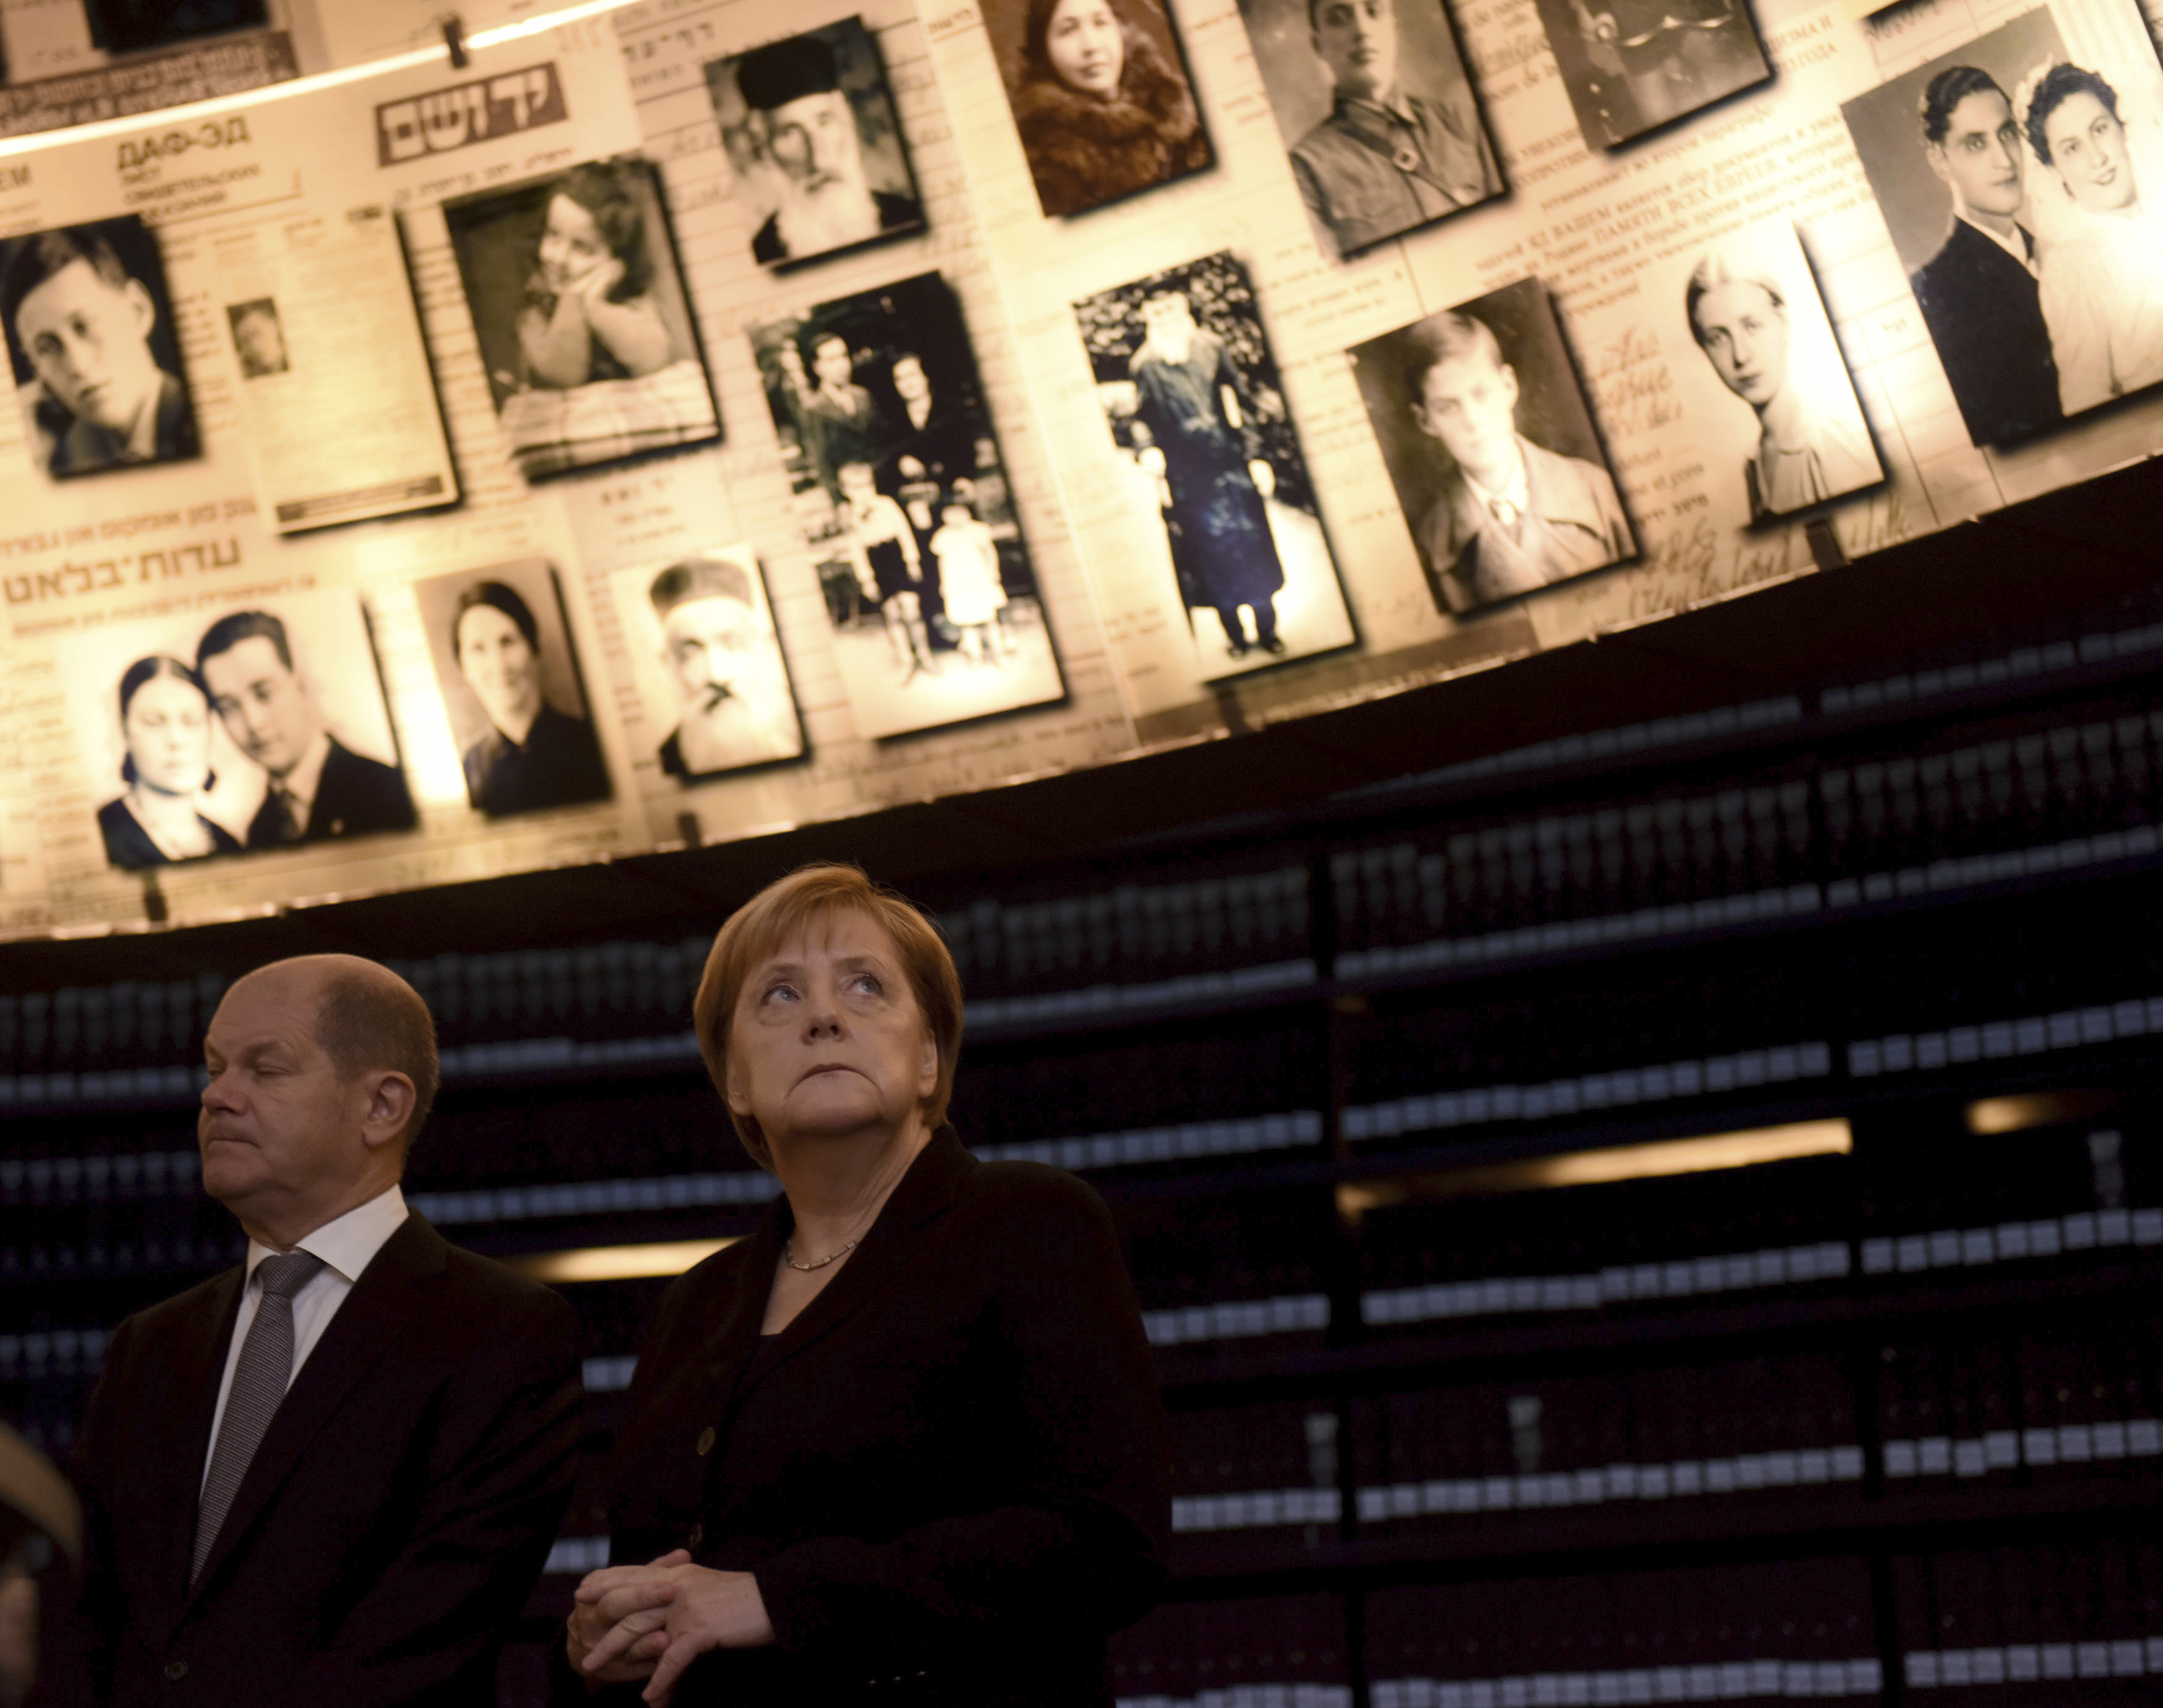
<point x="319" y="788"/>
<point x="1979" y="294"/>
<point x="329" y="1476"/>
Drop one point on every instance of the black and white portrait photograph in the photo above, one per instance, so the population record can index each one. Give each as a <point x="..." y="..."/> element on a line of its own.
<point x="1101" y="98"/>
<point x="1769" y="376"/>
<point x="2011" y="177"/>
<point x="259" y="337"/>
<point x="708" y="663"/>
<point x="1191" y="395"/>
<point x="260" y="727"/>
<point x="517" y="705"/>
<point x="1633" y="66"/>
<point x="97" y="360"/>
<point x="903" y="497"/>
<point x="1378" y="112"/>
<point x="579" y="308"/>
<point x="815" y="144"/>
<point x="1490" y="443"/>
<point x="130" y="26"/>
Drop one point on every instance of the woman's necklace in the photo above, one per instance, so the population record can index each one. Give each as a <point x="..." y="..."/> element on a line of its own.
<point x="788" y="1255"/>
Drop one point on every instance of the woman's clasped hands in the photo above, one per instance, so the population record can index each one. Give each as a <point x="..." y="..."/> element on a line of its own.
<point x="650" y="1621"/>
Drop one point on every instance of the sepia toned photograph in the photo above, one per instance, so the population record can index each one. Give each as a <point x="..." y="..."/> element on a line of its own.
<point x="1634" y="66"/>
<point x="1190" y="393"/>
<point x="1376" y="108"/>
<point x="1750" y="304"/>
<point x="260" y="727"/>
<point x="815" y="144"/>
<point x="580" y="308"/>
<point x="130" y="26"/>
<point x="1490" y="441"/>
<point x="97" y="359"/>
<point x="903" y="497"/>
<point x="2012" y="189"/>
<point x="519" y="713"/>
<point x="1101" y="97"/>
<point x="258" y="338"/>
<point x="708" y="663"/>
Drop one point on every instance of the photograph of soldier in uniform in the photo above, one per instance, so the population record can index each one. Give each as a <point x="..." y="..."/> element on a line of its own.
<point x="1101" y="97"/>
<point x="1958" y="187"/>
<point x="1752" y="306"/>
<point x="96" y="360"/>
<point x="509" y="676"/>
<point x="264" y="727"/>
<point x="1489" y="438"/>
<point x="579" y="308"/>
<point x="1187" y="381"/>
<point x="1374" y="101"/>
<point x="1631" y="66"/>
<point x="708" y="663"/>
<point x="815" y="144"/>
<point x="884" y="433"/>
<point x="258" y="338"/>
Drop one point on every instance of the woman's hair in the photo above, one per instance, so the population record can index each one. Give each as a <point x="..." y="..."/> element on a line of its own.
<point x="150" y="669"/>
<point x="1716" y="269"/>
<point x="2060" y="84"/>
<point x="599" y="190"/>
<point x="497" y="597"/>
<point x="792" y="904"/>
<point x="1035" y="56"/>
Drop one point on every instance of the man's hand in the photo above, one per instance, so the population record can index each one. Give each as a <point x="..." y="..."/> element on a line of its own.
<point x="624" y="1608"/>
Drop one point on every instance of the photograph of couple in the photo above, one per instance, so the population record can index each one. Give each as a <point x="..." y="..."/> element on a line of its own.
<point x="2019" y="186"/>
<point x="264" y="728"/>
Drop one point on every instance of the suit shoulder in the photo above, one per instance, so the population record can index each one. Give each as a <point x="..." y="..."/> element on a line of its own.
<point x="504" y="1290"/>
<point x="154" y="1320"/>
<point x="1031" y="1195"/>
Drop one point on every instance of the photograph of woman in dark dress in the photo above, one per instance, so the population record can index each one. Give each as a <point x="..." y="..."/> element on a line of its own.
<point x="531" y="756"/>
<point x="1102" y="103"/>
<point x="165" y="716"/>
<point x="903" y="1443"/>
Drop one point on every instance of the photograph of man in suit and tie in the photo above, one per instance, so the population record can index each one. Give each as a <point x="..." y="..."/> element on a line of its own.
<point x="1944" y="152"/>
<point x="1487" y="436"/>
<point x="331" y="1474"/>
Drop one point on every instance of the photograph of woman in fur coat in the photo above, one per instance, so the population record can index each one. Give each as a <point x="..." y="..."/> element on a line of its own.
<point x="1101" y="101"/>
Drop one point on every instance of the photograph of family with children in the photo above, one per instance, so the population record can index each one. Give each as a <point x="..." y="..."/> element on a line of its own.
<point x="904" y="501"/>
<point x="259" y="728"/>
<point x="579" y="306"/>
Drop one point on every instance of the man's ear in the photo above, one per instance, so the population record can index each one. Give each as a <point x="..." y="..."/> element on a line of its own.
<point x="1934" y="152"/>
<point x="1510" y="379"/>
<point x="141" y="309"/>
<point x="391" y="1100"/>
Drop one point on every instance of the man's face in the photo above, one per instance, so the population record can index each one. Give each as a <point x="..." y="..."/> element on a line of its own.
<point x="831" y="362"/>
<point x="813" y="139"/>
<point x="1470" y="404"/>
<point x="278" y="1127"/>
<point x="1744" y="334"/>
<point x="267" y="709"/>
<point x="1167" y="319"/>
<point x="2087" y="146"/>
<point x="88" y="340"/>
<point x="1357" y="41"/>
<point x="1980" y="158"/>
<point x="261" y="345"/>
<point x="718" y="653"/>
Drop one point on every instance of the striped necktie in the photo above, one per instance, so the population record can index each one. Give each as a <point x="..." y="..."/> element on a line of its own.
<point x="260" y="1380"/>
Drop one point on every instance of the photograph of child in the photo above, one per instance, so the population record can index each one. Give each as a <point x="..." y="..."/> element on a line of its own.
<point x="708" y="664"/>
<point x="97" y="361"/>
<point x="509" y="675"/>
<point x="579" y="308"/>
<point x="815" y="144"/>
<point x="880" y="412"/>
<point x="1191" y="392"/>
<point x="1490" y="441"/>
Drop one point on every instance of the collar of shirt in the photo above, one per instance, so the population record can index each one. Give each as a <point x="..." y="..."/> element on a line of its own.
<point x="2012" y="246"/>
<point x="347" y="1244"/>
<point x="1394" y="108"/>
<point x="1517" y="491"/>
<point x="304" y="779"/>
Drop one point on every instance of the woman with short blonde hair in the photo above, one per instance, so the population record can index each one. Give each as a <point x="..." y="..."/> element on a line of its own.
<point x="903" y="1443"/>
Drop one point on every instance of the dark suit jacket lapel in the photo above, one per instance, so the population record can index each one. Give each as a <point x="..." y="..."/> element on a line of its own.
<point x="923" y="1195"/>
<point x="197" y="1368"/>
<point x="382" y="1306"/>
